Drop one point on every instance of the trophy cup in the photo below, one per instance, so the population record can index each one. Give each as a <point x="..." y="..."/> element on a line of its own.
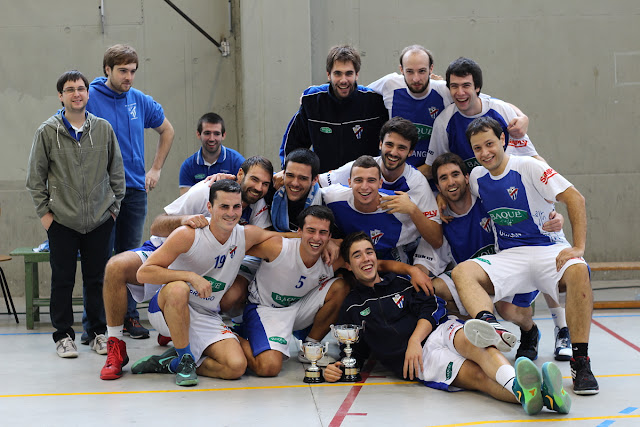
<point x="314" y="352"/>
<point x="347" y="335"/>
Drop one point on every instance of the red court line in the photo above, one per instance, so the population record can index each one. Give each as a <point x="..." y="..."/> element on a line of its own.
<point x="343" y="411"/>
<point x="630" y="344"/>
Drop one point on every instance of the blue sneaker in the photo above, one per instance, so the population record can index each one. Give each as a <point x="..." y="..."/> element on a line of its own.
<point x="527" y="385"/>
<point x="553" y="394"/>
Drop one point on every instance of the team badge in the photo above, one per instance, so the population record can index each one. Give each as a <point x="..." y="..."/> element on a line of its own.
<point x="366" y="311"/>
<point x="513" y="192"/>
<point x="485" y="223"/>
<point x="433" y="112"/>
<point x="232" y="251"/>
<point x="375" y="235"/>
<point x="399" y="300"/>
<point x="133" y="111"/>
<point x="357" y="131"/>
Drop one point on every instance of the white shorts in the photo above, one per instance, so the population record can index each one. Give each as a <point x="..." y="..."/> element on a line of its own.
<point x="146" y="291"/>
<point x="434" y="260"/>
<point x="525" y="269"/>
<point x="441" y="361"/>
<point x="204" y="329"/>
<point x="270" y="328"/>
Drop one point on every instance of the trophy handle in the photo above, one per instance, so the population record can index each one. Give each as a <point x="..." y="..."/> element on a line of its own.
<point x="326" y="348"/>
<point x="300" y="345"/>
<point x="333" y="331"/>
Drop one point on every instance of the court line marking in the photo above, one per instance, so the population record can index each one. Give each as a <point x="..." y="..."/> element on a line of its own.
<point x="537" y="420"/>
<point x="604" y="328"/>
<point x="343" y="410"/>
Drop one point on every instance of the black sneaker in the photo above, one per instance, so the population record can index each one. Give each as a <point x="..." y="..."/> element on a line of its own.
<point x="186" y="371"/>
<point x="529" y="343"/>
<point x="156" y="364"/>
<point x="584" y="382"/>
<point x="134" y="329"/>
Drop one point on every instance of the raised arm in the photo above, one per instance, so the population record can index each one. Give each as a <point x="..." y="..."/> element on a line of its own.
<point x="164" y="224"/>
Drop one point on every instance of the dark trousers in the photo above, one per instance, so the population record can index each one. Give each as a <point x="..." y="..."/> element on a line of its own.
<point x="95" y="249"/>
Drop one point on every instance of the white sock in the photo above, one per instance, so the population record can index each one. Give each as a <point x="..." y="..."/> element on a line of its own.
<point x="115" y="331"/>
<point x="558" y="316"/>
<point x="505" y="376"/>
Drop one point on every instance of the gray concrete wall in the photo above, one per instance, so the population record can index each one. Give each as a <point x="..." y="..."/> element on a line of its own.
<point x="178" y="66"/>
<point x="573" y="67"/>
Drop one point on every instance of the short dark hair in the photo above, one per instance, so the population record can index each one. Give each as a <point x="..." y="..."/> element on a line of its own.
<point x="365" y="162"/>
<point x="211" y="118"/>
<point x="462" y="67"/>
<point x="70" y="76"/>
<point x="350" y="239"/>
<point x="343" y="53"/>
<point x="445" y="159"/>
<point x="119" y="54"/>
<point x="483" y="124"/>
<point x="416" y="47"/>
<point x="306" y="157"/>
<point x="320" y="212"/>
<point x="263" y="162"/>
<point x="402" y="127"/>
<point x="225" y="185"/>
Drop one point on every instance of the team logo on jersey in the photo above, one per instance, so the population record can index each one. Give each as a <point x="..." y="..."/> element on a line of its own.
<point x="485" y="223"/>
<point x="507" y="216"/>
<point x="546" y="175"/>
<point x="357" y="131"/>
<point x="216" y="285"/>
<point x="487" y="250"/>
<point x="199" y="176"/>
<point x="365" y="312"/>
<point x="133" y="111"/>
<point x="424" y="131"/>
<point x="243" y="221"/>
<point x="265" y="208"/>
<point x="232" y="251"/>
<point x="279" y="340"/>
<point x="449" y="370"/>
<point x="375" y="235"/>
<point x="513" y="192"/>
<point x="323" y="281"/>
<point x="483" y="260"/>
<point x="433" y="112"/>
<point x="284" y="300"/>
<point x="325" y="129"/>
<point x="431" y="214"/>
<point x="518" y="143"/>
<point x="399" y="300"/>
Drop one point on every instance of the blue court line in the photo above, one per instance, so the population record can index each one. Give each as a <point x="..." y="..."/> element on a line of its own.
<point x="625" y="411"/>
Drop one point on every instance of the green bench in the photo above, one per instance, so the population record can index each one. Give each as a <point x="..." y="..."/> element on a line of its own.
<point x="33" y="301"/>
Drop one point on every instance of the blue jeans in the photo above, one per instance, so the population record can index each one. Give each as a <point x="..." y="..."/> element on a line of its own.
<point x="127" y="234"/>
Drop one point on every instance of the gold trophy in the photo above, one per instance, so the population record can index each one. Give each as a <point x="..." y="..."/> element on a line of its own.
<point x="347" y="335"/>
<point x="314" y="352"/>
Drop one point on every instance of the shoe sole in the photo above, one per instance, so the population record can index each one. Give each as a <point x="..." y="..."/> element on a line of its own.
<point x="530" y="381"/>
<point x="555" y="396"/>
<point x="187" y="382"/>
<point x="562" y="357"/>
<point x="586" y="392"/>
<point x="482" y="334"/>
<point x="68" y="355"/>
<point x="136" y="337"/>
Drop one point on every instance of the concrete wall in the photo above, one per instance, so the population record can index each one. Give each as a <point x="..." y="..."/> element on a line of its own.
<point x="573" y="67"/>
<point x="178" y="66"/>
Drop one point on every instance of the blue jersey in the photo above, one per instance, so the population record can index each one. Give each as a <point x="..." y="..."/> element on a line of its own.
<point x="449" y="132"/>
<point x="520" y="200"/>
<point x="194" y="169"/>
<point x="394" y="236"/>
<point x="470" y="235"/>
<point x="422" y="111"/>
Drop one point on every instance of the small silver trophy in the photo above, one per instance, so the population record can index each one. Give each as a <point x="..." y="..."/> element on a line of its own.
<point x="347" y="335"/>
<point x="314" y="352"/>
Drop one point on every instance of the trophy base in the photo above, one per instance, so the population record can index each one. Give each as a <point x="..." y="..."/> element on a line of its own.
<point x="351" y="375"/>
<point x="313" y="377"/>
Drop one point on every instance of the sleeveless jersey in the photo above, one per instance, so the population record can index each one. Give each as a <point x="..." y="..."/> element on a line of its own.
<point x="285" y="280"/>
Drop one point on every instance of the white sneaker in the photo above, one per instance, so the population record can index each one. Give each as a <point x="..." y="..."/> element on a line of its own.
<point x="324" y="362"/>
<point x="99" y="344"/>
<point x="484" y="334"/>
<point x="66" y="348"/>
<point x="563" y="349"/>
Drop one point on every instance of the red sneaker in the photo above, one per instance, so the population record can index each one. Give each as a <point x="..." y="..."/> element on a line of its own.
<point x="116" y="358"/>
<point x="163" y="341"/>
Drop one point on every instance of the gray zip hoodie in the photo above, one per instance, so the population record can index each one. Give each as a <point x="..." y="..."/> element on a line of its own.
<point x="80" y="182"/>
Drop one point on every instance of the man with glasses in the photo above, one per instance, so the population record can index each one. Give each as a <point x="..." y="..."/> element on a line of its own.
<point x="76" y="179"/>
<point x="213" y="157"/>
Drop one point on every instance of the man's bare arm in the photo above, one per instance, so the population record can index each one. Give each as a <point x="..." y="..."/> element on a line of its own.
<point x="578" y="218"/>
<point x="164" y="224"/>
<point x="164" y="146"/>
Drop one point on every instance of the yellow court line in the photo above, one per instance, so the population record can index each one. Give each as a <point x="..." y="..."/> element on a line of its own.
<point x="538" y="420"/>
<point x="198" y="390"/>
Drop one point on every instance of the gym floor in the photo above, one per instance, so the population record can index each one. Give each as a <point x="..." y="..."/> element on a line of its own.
<point x="39" y="388"/>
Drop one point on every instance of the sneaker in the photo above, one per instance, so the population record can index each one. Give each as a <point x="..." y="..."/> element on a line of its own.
<point x="134" y="329"/>
<point x="85" y="339"/>
<point x="529" y="343"/>
<point x="66" y="348"/>
<point x="325" y="361"/>
<point x="116" y="358"/>
<point x="553" y="393"/>
<point x="527" y="386"/>
<point x="484" y="334"/>
<point x="163" y="341"/>
<point x="584" y="382"/>
<point x="186" y="371"/>
<point x="155" y="364"/>
<point x="99" y="344"/>
<point x="563" y="350"/>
